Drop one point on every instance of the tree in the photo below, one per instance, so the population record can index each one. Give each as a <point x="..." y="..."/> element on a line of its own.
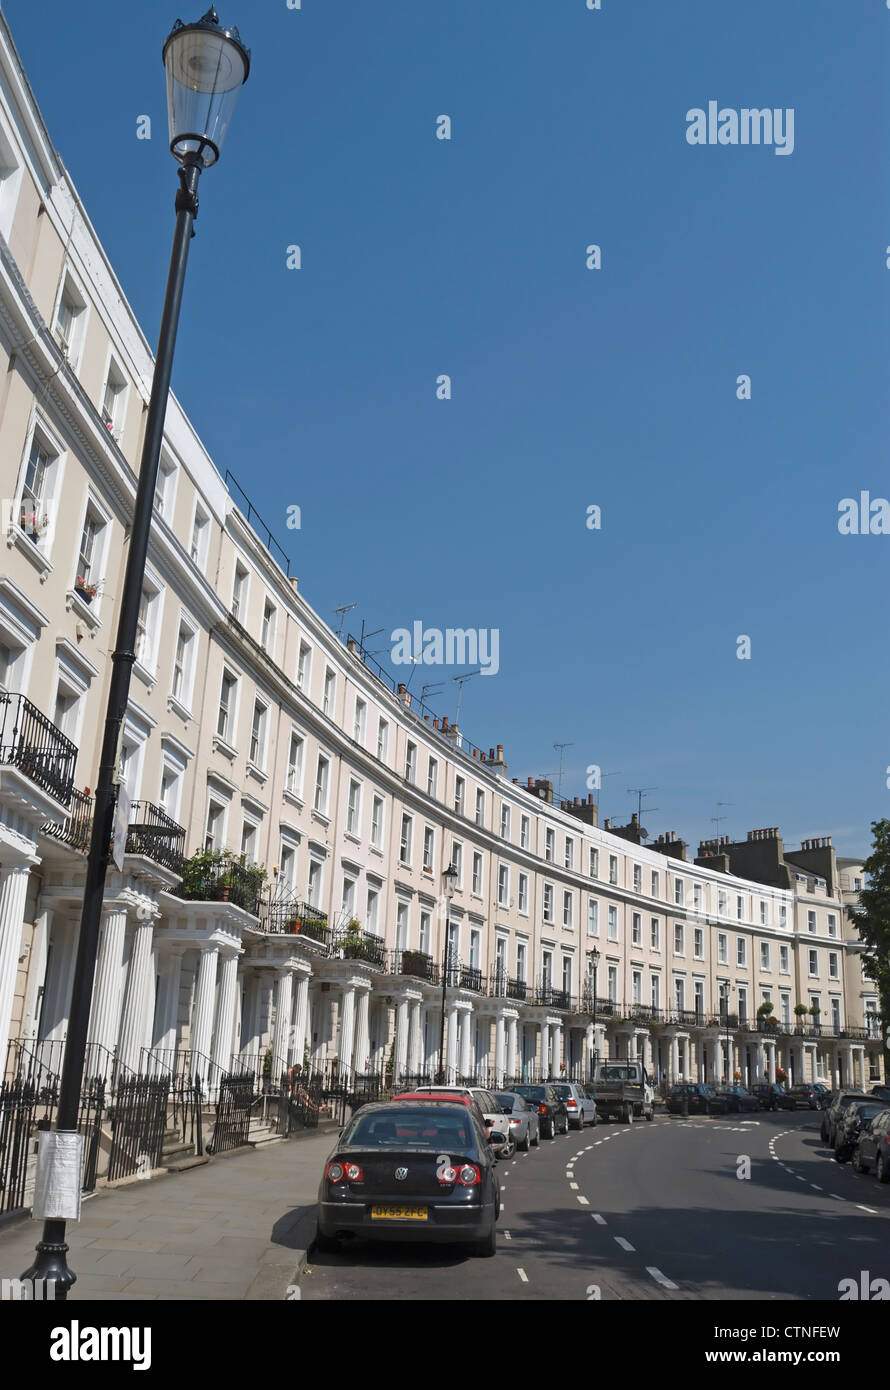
<point x="872" y="919"/>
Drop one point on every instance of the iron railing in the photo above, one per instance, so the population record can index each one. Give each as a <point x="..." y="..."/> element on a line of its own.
<point x="27" y="1110"/>
<point x="254" y="519"/>
<point x="300" y="1101"/>
<point x="233" y="1106"/>
<point x="77" y="828"/>
<point x="361" y="946"/>
<point x="138" y="1118"/>
<point x="33" y="744"/>
<point x="227" y="882"/>
<point x="155" y="835"/>
<point x="417" y="964"/>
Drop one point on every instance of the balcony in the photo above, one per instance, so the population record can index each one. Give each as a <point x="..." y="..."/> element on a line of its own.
<point x="214" y="876"/>
<point x="352" y="944"/>
<point x="417" y="964"/>
<point x="552" y="998"/>
<point x="77" y="828"/>
<point x="471" y="978"/>
<point x="519" y="989"/>
<point x="155" y="835"/>
<point x="287" y="917"/>
<point x="33" y="744"/>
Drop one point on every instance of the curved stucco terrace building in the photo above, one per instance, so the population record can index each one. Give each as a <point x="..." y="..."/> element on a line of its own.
<point x="252" y="727"/>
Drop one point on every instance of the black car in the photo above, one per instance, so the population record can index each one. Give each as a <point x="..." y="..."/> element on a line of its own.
<point x="854" y="1119"/>
<point x="873" y="1148"/>
<point x="736" y="1099"/>
<point x="554" y="1116"/>
<point x="831" y="1116"/>
<point x="882" y="1093"/>
<point x="693" y="1100"/>
<point x="772" y="1097"/>
<point x="806" y="1094"/>
<point x="411" y="1170"/>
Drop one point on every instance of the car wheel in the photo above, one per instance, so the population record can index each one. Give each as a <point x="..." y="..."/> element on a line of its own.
<point x="509" y="1149"/>
<point x="881" y="1170"/>
<point x="484" y="1249"/>
<point x="565" y="1125"/>
<point x="552" y="1133"/>
<point x="629" y="1115"/>
<point x="857" y="1164"/>
<point x="537" y="1139"/>
<point x="327" y="1245"/>
<point x="650" y="1113"/>
<point x="528" y="1142"/>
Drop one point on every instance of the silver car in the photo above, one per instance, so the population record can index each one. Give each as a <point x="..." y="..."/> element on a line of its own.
<point x="580" y="1106"/>
<point x="492" y="1112"/>
<point x="525" y="1124"/>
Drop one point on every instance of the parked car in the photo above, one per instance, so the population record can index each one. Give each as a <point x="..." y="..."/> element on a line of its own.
<point x="492" y="1113"/>
<point x="696" y="1099"/>
<point x="806" y="1095"/>
<point x="581" y="1106"/>
<point x="831" y="1116"/>
<point x="411" y="1170"/>
<point x="523" y="1118"/>
<point x="736" y="1099"/>
<point x="873" y="1148"/>
<point x="772" y="1097"/>
<point x="882" y="1093"/>
<point x="825" y="1094"/>
<point x="552" y="1113"/>
<point x="623" y="1089"/>
<point x="850" y="1121"/>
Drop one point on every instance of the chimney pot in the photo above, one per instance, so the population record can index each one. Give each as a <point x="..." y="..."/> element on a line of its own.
<point x="350" y="645"/>
<point x="491" y="753"/>
<point x="402" y="688"/>
<point x="531" y="782"/>
<point x="500" y="752"/>
<point x="435" y="723"/>
<point x="444" y="721"/>
<point x="427" y="718"/>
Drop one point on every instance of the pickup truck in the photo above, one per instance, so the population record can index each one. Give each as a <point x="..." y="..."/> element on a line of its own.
<point x="623" y="1090"/>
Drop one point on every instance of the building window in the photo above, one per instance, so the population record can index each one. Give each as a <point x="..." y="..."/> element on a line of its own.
<point x="567" y="910"/>
<point x="523" y="893"/>
<point x="698" y="943"/>
<point x="654" y="934"/>
<point x="593" y="917"/>
<point x="813" y="962"/>
<point x="353" y="808"/>
<point x="147" y="625"/>
<point x="474" y="949"/>
<point x="460" y="792"/>
<point x="184" y="664"/>
<point x="722" y="948"/>
<point x="359" y="718"/>
<point x="679" y="939"/>
<point x="480" y="804"/>
<point x="257" y="754"/>
<point x="833" y="966"/>
<point x="314" y="882"/>
<point x="697" y="896"/>
<point x="410" y="762"/>
<point x="225" y="722"/>
<point x="200" y="537"/>
<point x="567" y="976"/>
<point x="740" y="908"/>
<point x="213" y="835"/>
<point x="784" y="960"/>
<point x="372" y="912"/>
<point x="432" y="777"/>
<point x="503" y="886"/>
<point x="377" y="821"/>
<point x="653" y="883"/>
<point x="402" y="927"/>
<point x="294" y="782"/>
<point x="721" y="903"/>
<point x="521" y="961"/>
<point x="270" y="623"/>
<point x="70" y="323"/>
<point x="764" y="914"/>
<point x="783" y="915"/>
<point x="424" y="938"/>
<point x="405" y="839"/>
<point x="330" y="693"/>
<point x="248" y="841"/>
<point x="811" y="921"/>
<point x="113" y="400"/>
<point x="549" y="845"/>
<point x="764" y="956"/>
<point x="524" y="832"/>
<point x="741" y="951"/>
<point x="570" y="854"/>
<point x="304" y="666"/>
<point x="165" y="488"/>
<point x="638" y="878"/>
<point x="477" y="876"/>
<point x="613" y="923"/>
<point x="457" y="862"/>
<point x="429" y="839"/>
<point x="594" y="862"/>
<point x="636" y="986"/>
<point x="505" y="822"/>
<point x="382" y="740"/>
<point x="655" y="991"/>
<point x="743" y="1004"/>
<point x="547" y="907"/>
<point x="679" y="993"/>
<point x="612" y="984"/>
<point x="832" y="924"/>
<point x="699" y="999"/>
<point x="613" y="868"/>
<point x="678" y="891"/>
<point x="239" y="593"/>
<point x="322" y="772"/>
<point x="89" y="555"/>
<point x="636" y="929"/>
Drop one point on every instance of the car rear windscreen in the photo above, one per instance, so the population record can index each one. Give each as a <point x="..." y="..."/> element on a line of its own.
<point x="532" y="1092"/>
<point x="423" y="1129"/>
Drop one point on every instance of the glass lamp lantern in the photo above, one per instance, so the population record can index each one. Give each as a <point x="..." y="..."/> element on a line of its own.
<point x="207" y="66"/>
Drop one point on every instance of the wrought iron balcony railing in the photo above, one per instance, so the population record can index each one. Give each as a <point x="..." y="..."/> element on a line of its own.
<point x="228" y="882"/>
<point x="363" y="946"/>
<point x="33" y="744"/>
<point x="417" y="964"/>
<point x="77" y="828"/>
<point x="289" y="917"/>
<point x="155" y="835"/>
<point x="471" y="978"/>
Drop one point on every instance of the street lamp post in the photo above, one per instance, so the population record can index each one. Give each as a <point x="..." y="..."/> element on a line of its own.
<point x="595" y="960"/>
<point x="206" y="67"/>
<point x="450" y="877"/>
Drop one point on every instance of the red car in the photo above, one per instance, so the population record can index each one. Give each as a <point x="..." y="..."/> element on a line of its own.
<point x="454" y="1097"/>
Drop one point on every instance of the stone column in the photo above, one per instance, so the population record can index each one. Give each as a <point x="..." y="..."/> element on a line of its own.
<point x="499" y="1063"/>
<point x="545" y="1049"/>
<point x="249" y="1039"/>
<point x="451" y="1042"/>
<point x="104" y="1020"/>
<point x="347" y="1027"/>
<point x="281" y="1036"/>
<point x="556" y="1036"/>
<point x="675" y="1059"/>
<point x="164" y="1041"/>
<point x="761" y="1060"/>
<point x="512" y="1042"/>
<point x="301" y="1018"/>
<point x="360" y="1048"/>
<point x="414" y="1037"/>
<point x="36" y="971"/>
<point x="134" y="1024"/>
<point x="401" y="1040"/>
<point x="466" y="1040"/>
<point x="225" y="1011"/>
<point x="202" y="1014"/>
<point x="13" y="892"/>
<point x="57" y="992"/>
<point x="771" y="1061"/>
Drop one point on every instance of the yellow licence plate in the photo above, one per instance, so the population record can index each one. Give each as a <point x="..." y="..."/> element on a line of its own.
<point x="399" y="1214"/>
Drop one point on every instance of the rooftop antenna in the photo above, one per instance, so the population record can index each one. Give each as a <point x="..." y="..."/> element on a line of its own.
<point x="425" y="690"/>
<point x="343" y="610"/>
<point x="562" y="747"/>
<point x="460" y="689"/>
<point x="639" y="793"/>
<point x="603" y="776"/>
<point x="718" y="818"/>
<point x="375" y="633"/>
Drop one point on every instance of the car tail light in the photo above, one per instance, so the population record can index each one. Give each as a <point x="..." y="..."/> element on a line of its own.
<point x="516" y="1122"/>
<point x="447" y="1176"/>
<point x="469" y="1175"/>
<point x="334" y="1172"/>
<point x="572" y="1104"/>
<point x="543" y="1110"/>
<point x="354" y="1173"/>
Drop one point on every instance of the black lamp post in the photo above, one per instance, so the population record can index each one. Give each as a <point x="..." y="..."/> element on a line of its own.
<point x="207" y="66"/>
<point x="595" y="960"/>
<point x="450" y="877"/>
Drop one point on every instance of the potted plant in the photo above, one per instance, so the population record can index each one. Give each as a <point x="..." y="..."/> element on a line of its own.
<point x="732" y="1020"/>
<point x="84" y="589"/>
<point x="801" y="1010"/>
<point x="33" y="523"/>
<point x="351" y="943"/>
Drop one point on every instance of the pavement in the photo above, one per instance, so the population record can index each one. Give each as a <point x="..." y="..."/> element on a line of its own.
<point x="238" y="1227"/>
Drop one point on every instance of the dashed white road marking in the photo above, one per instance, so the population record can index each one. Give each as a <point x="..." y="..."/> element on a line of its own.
<point x="600" y="1220"/>
<point x="836" y="1197"/>
<point x="573" y="1186"/>
<point x="872" y="1210"/>
<point x="660" y="1278"/>
<point x="523" y="1276"/>
<point x="583" y="1200"/>
<point x="625" y="1244"/>
<point x="589" y="1147"/>
<point x="797" y="1175"/>
<point x="815" y="1188"/>
<point x="507" y="1235"/>
<point x="597" y="1144"/>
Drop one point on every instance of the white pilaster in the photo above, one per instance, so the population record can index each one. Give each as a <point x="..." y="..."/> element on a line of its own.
<point x="13" y="891"/>
<point x="134" y="1024"/>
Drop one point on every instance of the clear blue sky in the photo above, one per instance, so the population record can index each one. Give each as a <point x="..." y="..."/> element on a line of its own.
<point x="570" y="387"/>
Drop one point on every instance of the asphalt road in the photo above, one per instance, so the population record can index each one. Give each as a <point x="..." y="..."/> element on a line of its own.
<point x="660" y="1210"/>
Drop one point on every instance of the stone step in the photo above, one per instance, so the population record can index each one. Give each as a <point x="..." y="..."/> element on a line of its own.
<point x="181" y="1165"/>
